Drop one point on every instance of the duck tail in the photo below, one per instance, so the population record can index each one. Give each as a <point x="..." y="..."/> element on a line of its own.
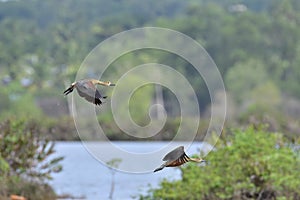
<point x="69" y="90"/>
<point x="160" y="168"/>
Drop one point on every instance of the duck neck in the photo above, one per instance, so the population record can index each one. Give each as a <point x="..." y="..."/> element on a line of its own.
<point x="195" y="160"/>
<point x="98" y="82"/>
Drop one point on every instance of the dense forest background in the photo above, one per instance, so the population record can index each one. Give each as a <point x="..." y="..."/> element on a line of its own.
<point x="255" y="45"/>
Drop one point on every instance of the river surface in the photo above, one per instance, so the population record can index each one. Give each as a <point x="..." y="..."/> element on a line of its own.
<point x="85" y="176"/>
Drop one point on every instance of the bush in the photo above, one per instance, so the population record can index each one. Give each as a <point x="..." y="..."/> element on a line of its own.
<point x="251" y="164"/>
<point x="24" y="160"/>
<point x="32" y="190"/>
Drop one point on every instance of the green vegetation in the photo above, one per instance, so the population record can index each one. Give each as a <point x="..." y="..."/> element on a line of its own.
<point x="255" y="44"/>
<point x="255" y="47"/>
<point x="25" y="162"/>
<point x="249" y="164"/>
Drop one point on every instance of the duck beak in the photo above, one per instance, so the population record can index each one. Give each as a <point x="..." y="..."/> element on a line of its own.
<point x="112" y="84"/>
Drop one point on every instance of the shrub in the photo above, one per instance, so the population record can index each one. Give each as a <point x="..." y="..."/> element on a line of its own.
<point x="24" y="160"/>
<point x="251" y="164"/>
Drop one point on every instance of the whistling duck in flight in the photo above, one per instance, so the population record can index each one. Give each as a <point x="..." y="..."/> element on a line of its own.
<point x="176" y="158"/>
<point x="87" y="88"/>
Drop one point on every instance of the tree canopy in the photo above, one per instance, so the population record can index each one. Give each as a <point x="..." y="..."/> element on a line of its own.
<point x="43" y="43"/>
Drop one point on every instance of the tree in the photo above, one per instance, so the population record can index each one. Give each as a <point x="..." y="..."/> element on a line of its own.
<point x="243" y="77"/>
<point x="284" y="35"/>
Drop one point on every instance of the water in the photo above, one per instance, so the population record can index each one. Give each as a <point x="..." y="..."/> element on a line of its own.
<point x="84" y="176"/>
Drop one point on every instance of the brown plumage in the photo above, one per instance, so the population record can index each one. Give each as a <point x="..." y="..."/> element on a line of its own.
<point x="176" y="158"/>
<point x="86" y="88"/>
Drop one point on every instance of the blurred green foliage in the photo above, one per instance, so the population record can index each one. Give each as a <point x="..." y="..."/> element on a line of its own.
<point x="42" y="44"/>
<point x="26" y="160"/>
<point x="247" y="164"/>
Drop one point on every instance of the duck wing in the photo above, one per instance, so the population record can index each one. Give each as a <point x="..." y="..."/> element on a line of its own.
<point x="89" y="92"/>
<point x="175" y="154"/>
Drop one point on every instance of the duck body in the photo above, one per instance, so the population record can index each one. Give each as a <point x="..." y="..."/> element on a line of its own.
<point x="86" y="88"/>
<point x="177" y="157"/>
